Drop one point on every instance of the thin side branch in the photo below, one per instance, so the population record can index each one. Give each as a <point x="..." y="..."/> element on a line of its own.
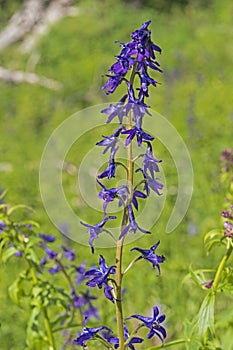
<point x="17" y="77"/>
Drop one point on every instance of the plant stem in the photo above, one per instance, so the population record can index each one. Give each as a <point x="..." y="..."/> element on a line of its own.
<point x="166" y="345"/>
<point x="222" y="264"/>
<point x="46" y="318"/>
<point x="120" y="242"/>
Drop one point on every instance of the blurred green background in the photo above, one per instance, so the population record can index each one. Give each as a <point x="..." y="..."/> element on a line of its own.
<point x="195" y="95"/>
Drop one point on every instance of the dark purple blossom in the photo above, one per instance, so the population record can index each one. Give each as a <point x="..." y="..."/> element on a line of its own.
<point x="149" y="254"/>
<point x="138" y="194"/>
<point x="47" y="238"/>
<point x="95" y="230"/>
<point x="140" y="135"/>
<point x="2" y="226"/>
<point x="132" y="226"/>
<point x="68" y="253"/>
<point x="87" y="334"/>
<point x="50" y="254"/>
<point x="116" y="110"/>
<point x="99" y="277"/>
<point x="150" y="164"/>
<point x="19" y="253"/>
<point x="108" y="195"/>
<point x="80" y="273"/>
<point x="136" y="105"/>
<point x="55" y="269"/>
<point x="110" y="141"/>
<point x="151" y="183"/>
<point x="111" y="339"/>
<point x="153" y="323"/>
<point x="111" y="168"/>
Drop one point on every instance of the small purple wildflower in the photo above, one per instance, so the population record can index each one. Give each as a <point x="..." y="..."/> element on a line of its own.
<point x="132" y="226"/>
<point x="148" y="254"/>
<point x="80" y="273"/>
<point x="69" y="253"/>
<point x="116" y="110"/>
<point x="55" y="269"/>
<point x="110" y="142"/>
<point x="47" y="238"/>
<point x="18" y="253"/>
<point x="138" y="194"/>
<point x="2" y="226"/>
<point x="150" y="164"/>
<point x="153" y="323"/>
<point x="111" y="168"/>
<point x="95" y="230"/>
<point x="87" y="334"/>
<point x="99" y="277"/>
<point x="109" y="195"/>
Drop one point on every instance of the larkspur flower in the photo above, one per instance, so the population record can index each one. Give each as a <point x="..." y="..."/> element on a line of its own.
<point x="50" y="254"/>
<point x="99" y="277"/>
<point x="111" y="168"/>
<point x="138" y="194"/>
<point x="108" y="195"/>
<point x="111" y="339"/>
<point x="55" y="269"/>
<point x="80" y="273"/>
<point x="2" y="226"/>
<point x="68" y="253"/>
<point x="132" y="226"/>
<point x="87" y="334"/>
<point x="109" y="142"/>
<point x="47" y="238"/>
<point x="148" y="254"/>
<point x="150" y="164"/>
<point x="153" y="323"/>
<point x="151" y="183"/>
<point x="116" y="110"/>
<point x="95" y="230"/>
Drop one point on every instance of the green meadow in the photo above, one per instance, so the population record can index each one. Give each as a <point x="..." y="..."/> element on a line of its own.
<point x="194" y="94"/>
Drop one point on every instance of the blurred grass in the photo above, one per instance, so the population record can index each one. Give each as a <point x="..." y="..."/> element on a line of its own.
<point x="195" y="96"/>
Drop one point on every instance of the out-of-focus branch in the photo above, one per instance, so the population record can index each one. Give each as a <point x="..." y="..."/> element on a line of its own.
<point x="34" y="17"/>
<point x="17" y="77"/>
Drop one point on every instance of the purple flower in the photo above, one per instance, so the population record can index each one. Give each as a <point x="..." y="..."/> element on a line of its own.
<point x="150" y="164"/>
<point x="151" y="183"/>
<point x="68" y="253"/>
<point x="110" y="141"/>
<point x="80" y="273"/>
<point x="132" y="226"/>
<point x="99" y="277"/>
<point x="136" y="105"/>
<point x="110" y="171"/>
<point x="50" y="254"/>
<point x="2" y="226"/>
<point x="18" y="253"/>
<point x="87" y="334"/>
<point x="55" y="269"/>
<point x="108" y="335"/>
<point x="140" y="135"/>
<point x="47" y="238"/>
<point x="138" y="194"/>
<point x="113" y="82"/>
<point x="109" y="195"/>
<point x="148" y="254"/>
<point x="153" y="323"/>
<point x="116" y="110"/>
<point x="95" y="230"/>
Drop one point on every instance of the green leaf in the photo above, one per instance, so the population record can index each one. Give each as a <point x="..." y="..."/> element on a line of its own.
<point x="16" y="290"/>
<point x="8" y="253"/>
<point x="205" y="319"/>
<point x="213" y="238"/>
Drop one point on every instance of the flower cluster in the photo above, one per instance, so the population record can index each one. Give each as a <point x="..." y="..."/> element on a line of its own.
<point x="132" y="68"/>
<point x="228" y="224"/>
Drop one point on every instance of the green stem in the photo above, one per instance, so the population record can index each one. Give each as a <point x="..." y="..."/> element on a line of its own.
<point x="167" y="345"/>
<point x="46" y="318"/>
<point x="222" y="263"/>
<point x="120" y="242"/>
